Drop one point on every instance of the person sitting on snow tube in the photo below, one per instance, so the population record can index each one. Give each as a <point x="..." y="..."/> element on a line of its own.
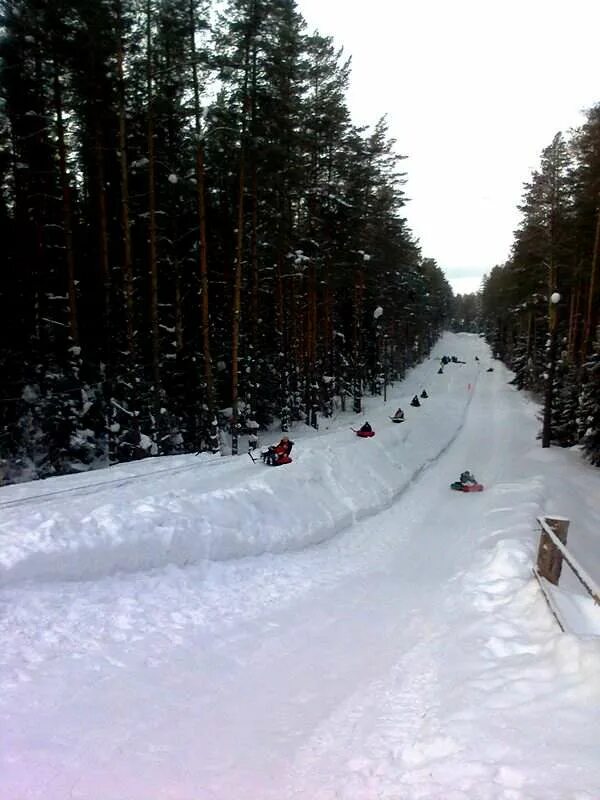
<point x="279" y="453"/>
<point x="424" y="394"/>
<point x="465" y="483"/>
<point x="415" y="402"/>
<point x="398" y="416"/>
<point x="365" y="431"/>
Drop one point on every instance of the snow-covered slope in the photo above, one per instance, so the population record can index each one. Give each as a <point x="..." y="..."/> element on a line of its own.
<point x="408" y="656"/>
<point x="183" y="510"/>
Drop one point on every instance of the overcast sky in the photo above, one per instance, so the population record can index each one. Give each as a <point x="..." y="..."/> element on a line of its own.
<point x="473" y="90"/>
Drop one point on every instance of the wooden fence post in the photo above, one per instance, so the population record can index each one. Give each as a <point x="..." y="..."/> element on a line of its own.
<point x="549" y="559"/>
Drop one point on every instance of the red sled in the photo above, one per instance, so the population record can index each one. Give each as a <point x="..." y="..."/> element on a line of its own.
<point x="364" y="434"/>
<point x="268" y="457"/>
<point x="466" y="487"/>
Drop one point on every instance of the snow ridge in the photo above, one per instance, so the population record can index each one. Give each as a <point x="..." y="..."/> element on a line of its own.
<point x="196" y="515"/>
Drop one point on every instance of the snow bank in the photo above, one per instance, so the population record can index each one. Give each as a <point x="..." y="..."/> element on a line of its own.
<point x="232" y="508"/>
<point x="489" y="699"/>
<point x="412" y="657"/>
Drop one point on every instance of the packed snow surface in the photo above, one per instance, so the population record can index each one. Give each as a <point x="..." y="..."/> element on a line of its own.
<point x="344" y="627"/>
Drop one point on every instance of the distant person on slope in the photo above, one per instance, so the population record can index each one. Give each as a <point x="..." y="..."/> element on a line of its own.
<point x="415" y="402"/>
<point x="466" y="483"/>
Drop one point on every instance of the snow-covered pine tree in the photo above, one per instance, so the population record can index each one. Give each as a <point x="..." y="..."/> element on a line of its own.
<point x="588" y="414"/>
<point x="566" y="401"/>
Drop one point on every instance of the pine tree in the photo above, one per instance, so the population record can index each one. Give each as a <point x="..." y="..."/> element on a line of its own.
<point x="170" y="253"/>
<point x="588" y="417"/>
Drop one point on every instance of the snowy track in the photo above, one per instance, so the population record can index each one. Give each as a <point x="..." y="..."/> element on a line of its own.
<point x="408" y="657"/>
<point x="190" y="514"/>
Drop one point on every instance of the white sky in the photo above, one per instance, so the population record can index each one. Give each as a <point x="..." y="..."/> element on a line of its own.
<point x="473" y="91"/>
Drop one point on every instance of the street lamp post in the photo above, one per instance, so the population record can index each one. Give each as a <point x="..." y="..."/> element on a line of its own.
<point x="379" y="365"/>
<point x="385" y="366"/>
<point x="553" y="302"/>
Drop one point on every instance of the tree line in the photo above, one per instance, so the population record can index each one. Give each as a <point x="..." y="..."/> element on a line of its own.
<point x="541" y="308"/>
<point x="196" y="238"/>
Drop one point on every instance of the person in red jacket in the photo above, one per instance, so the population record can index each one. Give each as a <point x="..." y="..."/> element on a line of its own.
<point x="284" y="448"/>
<point x="279" y="453"/>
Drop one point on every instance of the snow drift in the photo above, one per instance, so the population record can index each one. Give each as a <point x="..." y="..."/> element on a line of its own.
<point x="217" y="509"/>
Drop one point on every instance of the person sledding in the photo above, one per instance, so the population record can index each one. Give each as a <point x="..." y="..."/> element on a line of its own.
<point x="365" y="432"/>
<point x="398" y="416"/>
<point x="441" y="371"/>
<point x="278" y="454"/>
<point x="424" y="395"/>
<point x="466" y="483"/>
<point x="415" y="402"/>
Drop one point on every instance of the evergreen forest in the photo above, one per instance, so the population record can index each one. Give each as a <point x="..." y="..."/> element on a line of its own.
<point x="198" y="242"/>
<point x="540" y="310"/>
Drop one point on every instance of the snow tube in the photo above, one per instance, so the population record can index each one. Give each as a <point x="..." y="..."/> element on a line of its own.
<point x="365" y="434"/>
<point x="268" y="458"/>
<point x="466" y="487"/>
<point x="397" y="419"/>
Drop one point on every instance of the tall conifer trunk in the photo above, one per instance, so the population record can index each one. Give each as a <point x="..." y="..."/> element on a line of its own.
<point x="67" y="208"/>
<point x="239" y="241"/>
<point x="589" y="316"/>
<point x="210" y="431"/>
<point x="357" y="376"/>
<point x="127" y="256"/>
<point x="152" y="249"/>
<point x="100" y="181"/>
<point x="236" y="311"/>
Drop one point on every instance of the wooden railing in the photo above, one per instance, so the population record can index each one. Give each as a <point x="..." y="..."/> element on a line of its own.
<point x="552" y="551"/>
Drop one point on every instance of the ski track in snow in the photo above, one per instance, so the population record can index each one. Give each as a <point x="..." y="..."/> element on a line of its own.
<point x="407" y="656"/>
